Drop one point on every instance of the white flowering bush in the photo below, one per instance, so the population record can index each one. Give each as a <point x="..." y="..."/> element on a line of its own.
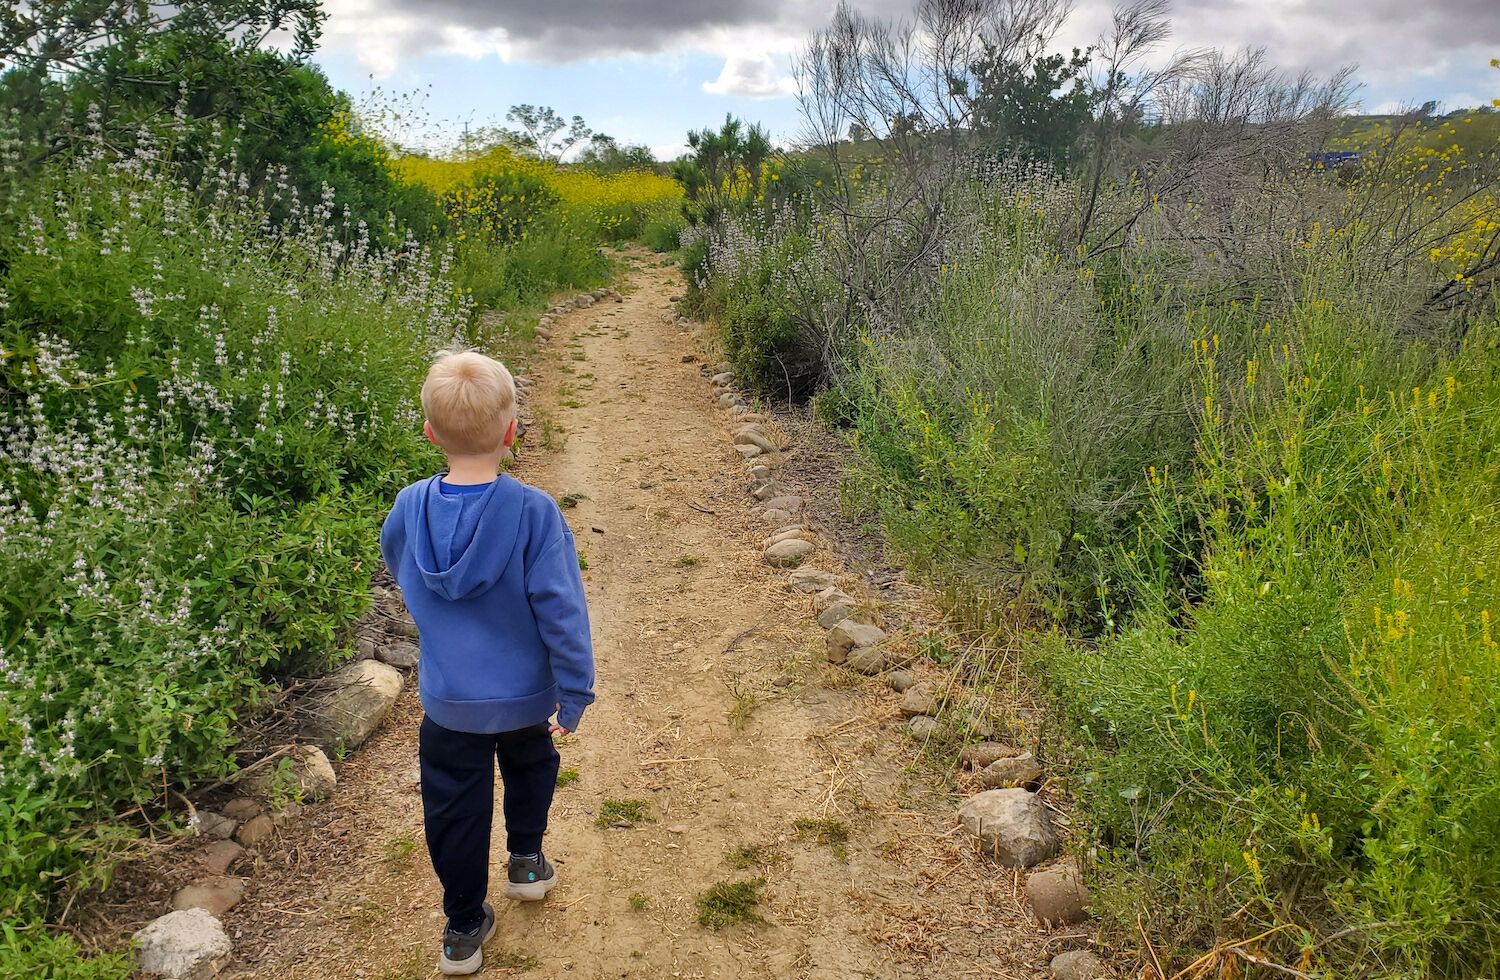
<point x="202" y="416"/>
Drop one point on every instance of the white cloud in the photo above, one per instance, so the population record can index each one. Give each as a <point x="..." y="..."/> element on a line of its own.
<point x="755" y="76"/>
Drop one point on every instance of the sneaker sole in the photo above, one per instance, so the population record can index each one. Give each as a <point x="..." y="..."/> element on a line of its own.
<point x="531" y="891"/>
<point x="464" y="967"/>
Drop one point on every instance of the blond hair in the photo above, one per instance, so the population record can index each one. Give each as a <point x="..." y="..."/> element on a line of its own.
<point x="469" y="400"/>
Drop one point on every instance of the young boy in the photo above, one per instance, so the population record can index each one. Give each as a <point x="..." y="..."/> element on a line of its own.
<point x="489" y="570"/>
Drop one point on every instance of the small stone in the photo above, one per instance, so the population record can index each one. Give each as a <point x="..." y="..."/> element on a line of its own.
<point x="738" y="409"/>
<point x="1011" y="826"/>
<point x="406" y="626"/>
<point x="255" y="830"/>
<point x="772" y="516"/>
<point x="918" y="700"/>
<point x="754" y="437"/>
<point x="400" y="654"/>
<point x="214" y="826"/>
<point x="837" y="613"/>
<point x="849" y="636"/>
<point x="218" y="857"/>
<point x="787" y="534"/>
<point x="748" y="452"/>
<point x="216" y="896"/>
<point x="362" y="696"/>
<point x="722" y="380"/>
<point x="785" y="554"/>
<point x="304" y="774"/>
<point x="925" y="728"/>
<point x="243" y="808"/>
<point x="188" y="945"/>
<point x="1078" y="964"/>
<point x="1058" y="896"/>
<point x="867" y="660"/>
<point x="810" y="580"/>
<point x="364" y="648"/>
<point x="765" y="491"/>
<point x="1002" y="773"/>
<point x="833" y="595"/>
<point x="982" y="754"/>
<point x="901" y="681"/>
<point x="760" y="471"/>
<point x="790" y="504"/>
<point x="729" y="398"/>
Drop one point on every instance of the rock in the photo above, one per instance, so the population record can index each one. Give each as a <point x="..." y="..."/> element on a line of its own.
<point x="362" y="696"/>
<point x="399" y="654"/>
<point x="791" y="505"/>
<point x="722" y="380"/>
<point x="785" y="554"/>
<point x="215" y="895"/>
<point x="925" y="728"/>
<point x="214" y="826"/>
<point x="1012" y="826"/>
<point x="738" y="410"/>
<point x="833" y="595"/>
<point x="218" y="857"/>
<point x="723" y="367"/>
<point x="754" y="437"/>
<point x="867" y="660"/>
<point x="404" y="625"/>
<point x="771" y="516"/>
<point x="835" y="614"/>
<point x="187" y="945"/>
<point x="1021" y="770"/>
<point x="810" y="580"/>
<point x="765" y="491"/>
<point x="729" y="398"/>
<point x="243" y="808"/>
<point x="787" y="534"/>
<point x="918" y="700"/>
<point x="849" y="636"/>
<point x="304" y="775"/>
<point x="982" y="754"/>
<point x="748" y="452"/>
<point x="901" y="681"/>
<point x="1058" y="896"/>
<point x="364" y="648"/>
<point x="255" y="830"/>
<point x="1078" y="964"/>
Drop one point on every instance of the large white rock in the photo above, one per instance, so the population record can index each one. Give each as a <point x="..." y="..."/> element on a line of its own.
<point x="187" y="945"/>
<point x="1012" y="826"/>
<point x="362" y="695"/>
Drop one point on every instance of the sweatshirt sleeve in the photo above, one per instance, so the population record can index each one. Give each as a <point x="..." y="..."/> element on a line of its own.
<point x="555" y="588"/>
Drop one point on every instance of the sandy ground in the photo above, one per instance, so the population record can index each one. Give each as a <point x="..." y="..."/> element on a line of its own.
<point x="715" y="709"/>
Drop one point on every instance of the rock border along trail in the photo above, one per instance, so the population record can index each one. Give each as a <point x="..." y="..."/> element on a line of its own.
<point x="720" y="710"/>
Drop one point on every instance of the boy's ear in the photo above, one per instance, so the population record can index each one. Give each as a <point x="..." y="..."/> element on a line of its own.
<point x="427" y="431"/>
<point x="510" y="432"/>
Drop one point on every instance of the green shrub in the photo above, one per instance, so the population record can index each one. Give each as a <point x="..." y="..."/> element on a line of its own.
<point x="31" y="954"/>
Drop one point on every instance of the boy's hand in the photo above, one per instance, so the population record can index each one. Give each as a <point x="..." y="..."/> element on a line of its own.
<point x="556" y="729"/>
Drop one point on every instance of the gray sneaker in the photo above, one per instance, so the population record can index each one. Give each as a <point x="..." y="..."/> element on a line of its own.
<point x="463" y="952"/>
<point x="530" y="878"/>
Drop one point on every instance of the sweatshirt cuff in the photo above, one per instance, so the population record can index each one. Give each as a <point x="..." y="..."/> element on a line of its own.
<point x="569" y="715"/>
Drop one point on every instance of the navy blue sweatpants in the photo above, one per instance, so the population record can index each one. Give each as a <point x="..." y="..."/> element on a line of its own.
<point x="458" y="805"/>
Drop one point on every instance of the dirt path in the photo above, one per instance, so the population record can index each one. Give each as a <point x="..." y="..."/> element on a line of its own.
<point x="715" y="710"/>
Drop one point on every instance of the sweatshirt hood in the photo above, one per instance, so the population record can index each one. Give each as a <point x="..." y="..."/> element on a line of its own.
<point x="461" y="543"/>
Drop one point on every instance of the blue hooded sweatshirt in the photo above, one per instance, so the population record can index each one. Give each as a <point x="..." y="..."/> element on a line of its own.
<point x="492" y="580"/>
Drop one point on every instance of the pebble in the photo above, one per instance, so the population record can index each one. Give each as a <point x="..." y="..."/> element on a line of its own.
<point x="926" y="728"/>
<point x="774" y="516"/>
<point x="189" y="944"/>
<point x="399" y="653"/>
<point x="214" y="826"/>
<point x="848" y="636"/>
<point x="1078" y="964"/>
<point x="761" y="471"/>
<point x="1021" y="770"/>
<point x="901" y="681"/>
<point x="242" y="808"/>
<point x="1058" y="896"/>
<point x="867" y="660"/>
<point x="787" y="534"/>
<point x="785" y="554"/>
<point x="789" y="504"/>
<point x="216" y="895"/>
<point x="218" y="857"/>
<point x="722" y="380"/>
<point x="810" y="580"/>
<point x="254" y="830"/>
<point x="918" y="700"/>
<point x="754" y="437"/>
<point x="982" y="754"/>
<point x="748" y="452"/>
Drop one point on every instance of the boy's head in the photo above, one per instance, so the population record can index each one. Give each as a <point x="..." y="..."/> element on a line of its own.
<point x="470" y="401"/>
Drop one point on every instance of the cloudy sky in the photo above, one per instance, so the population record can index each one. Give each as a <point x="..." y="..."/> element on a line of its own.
<point x="646" y="71"/>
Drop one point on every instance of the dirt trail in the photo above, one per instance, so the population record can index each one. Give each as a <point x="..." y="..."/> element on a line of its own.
<point x="715" y="709"/>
